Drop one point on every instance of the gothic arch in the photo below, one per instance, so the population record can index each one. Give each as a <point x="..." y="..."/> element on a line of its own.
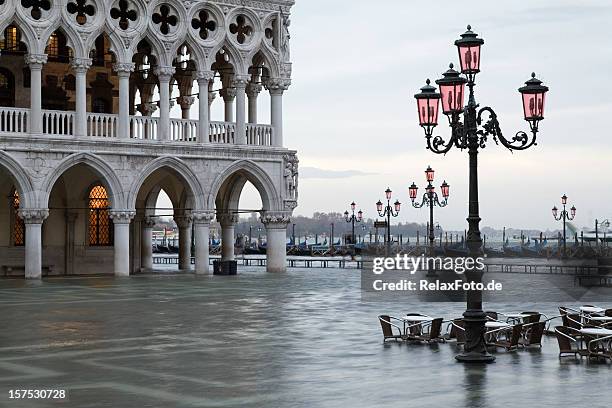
<point x="181" y="168"/>
<point x="23" y="184"/>
<point x="228" y="185"/>
<point x="266" y="56"/>
<point x="107" y="175"/>
<point x="28" y="37"/>
<point x="235" y="61"/>
<point x="74" y="42"/>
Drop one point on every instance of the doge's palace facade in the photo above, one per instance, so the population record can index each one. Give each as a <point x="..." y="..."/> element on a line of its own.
<point x="88" y="141"/>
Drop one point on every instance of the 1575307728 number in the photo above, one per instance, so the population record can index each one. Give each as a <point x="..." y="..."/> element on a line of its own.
<point x="37" y="394"/>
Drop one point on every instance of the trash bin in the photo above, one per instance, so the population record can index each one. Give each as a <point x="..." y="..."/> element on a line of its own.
<point x="225" y="268"/>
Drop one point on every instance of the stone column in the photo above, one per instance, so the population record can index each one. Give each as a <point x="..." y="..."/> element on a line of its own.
<point x="276" y="231"/>
<point x="164" y="75"/>
<point x="186" y="102"/>
<point x="239" y="84"/>
<point x="183" y="223"/>
<point x="228" y="222"/>
<point x="204" y="78"/>
<point x="80" y="66"/>
<point x="36" y="62"/>
<point x="277" y="87"/>
<point x="124" y="70"/>
<point x="229" y="95"/>
<point x="252" y="91"/>
<point x="33" y="219"/>
<point x="121" y="221"/>
<point x="202" y="222"/>
<point x="147" y="243"/>
<point x="211" y="98"/>
<point x="70" y="234"/>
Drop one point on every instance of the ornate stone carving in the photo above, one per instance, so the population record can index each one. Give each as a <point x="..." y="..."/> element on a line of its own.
<point x="164" y="73"/>
<point x="277" y="85"/>
<point x="148" y="222"/>
<point x="203" y="217"/>
<point x="80" y="65"/>
<point x="228" y="219"/>
<point x="276" y="219"/>
<point x="33" y="215"/>
<point x="253" y="89"/>
<point x="205" y="76"/>
<point x="290" y="205"/>
<point x="186" y="101"/>
<point x="240" y="82"/>
<point x="228" y="94"/>
<point x="36" y="60"/>
<point x="290" y="173"/>
<point x="124" y="68"/>
<point x="122" y="216"/>
<point x="285" y="48"/>
<point x="183" y="221"/>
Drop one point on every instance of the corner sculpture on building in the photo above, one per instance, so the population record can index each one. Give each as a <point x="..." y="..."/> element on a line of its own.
<point x="87" y="141"/>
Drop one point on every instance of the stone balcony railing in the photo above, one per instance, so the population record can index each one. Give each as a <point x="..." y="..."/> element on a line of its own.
<point x="62" y="123"/>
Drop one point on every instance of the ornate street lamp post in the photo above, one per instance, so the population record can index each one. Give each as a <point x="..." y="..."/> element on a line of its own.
<point x="471" y="127"/>
<point x="388" y="212"/>
<point x="565" y="216"/>
<point x="352" y="219"/>
<point x="430" y="199"/>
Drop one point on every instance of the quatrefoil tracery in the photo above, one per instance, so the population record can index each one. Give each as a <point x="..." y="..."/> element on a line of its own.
<point x="37" y="7"/>
<point x="165" y="19"/>
<point x="241" y="29"/>
<point x="204" y="24"/>
<point x="82" y="10"/>
<point x="124" y="14"/>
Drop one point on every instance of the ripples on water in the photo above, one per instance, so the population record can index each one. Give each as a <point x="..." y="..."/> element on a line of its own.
<point x="301" y="339"/>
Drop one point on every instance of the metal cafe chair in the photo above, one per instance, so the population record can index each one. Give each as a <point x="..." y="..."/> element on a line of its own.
<point x="387" y="328"/>
<point x="568" y="343"/>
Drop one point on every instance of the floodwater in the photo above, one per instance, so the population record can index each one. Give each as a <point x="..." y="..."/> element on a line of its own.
<point x="301" y="339"/>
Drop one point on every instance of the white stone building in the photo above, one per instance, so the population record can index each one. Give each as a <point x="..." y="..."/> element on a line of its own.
<point x="83" y="157"/>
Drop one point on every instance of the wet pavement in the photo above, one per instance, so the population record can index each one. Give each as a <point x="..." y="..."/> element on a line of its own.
<point x="301" y="339"/>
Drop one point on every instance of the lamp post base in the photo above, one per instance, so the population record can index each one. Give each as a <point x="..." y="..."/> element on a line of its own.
<point x="475" y="348"/>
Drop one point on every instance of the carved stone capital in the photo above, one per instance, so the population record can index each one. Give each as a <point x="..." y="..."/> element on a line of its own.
<point x="147" y="109"/>
<point x="164" y="73"/>
<point x="204" y="77"/>
<point x="203" y="217"/>
<point x="276" y="219"/>
<point x="124" y="69"/>
<point x="148" y="222"/>
<point x="36" y="60"/>
<point x="80" y="65"/>
<point x="211" y="97"/>
<point x="240" y="82"/>
<point x="227" y="219"/>
<point x="122" y="216"/>
<point x="277" y="86"/>
<point x="186" y="101"/>
<point x="253" y="89"/>
<point x="33" y="215"/>
<point x="228" y="94"/>
<point x="183" y="221"/>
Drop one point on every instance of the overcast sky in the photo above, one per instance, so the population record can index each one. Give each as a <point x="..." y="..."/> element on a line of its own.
<point x="351" y="115"/>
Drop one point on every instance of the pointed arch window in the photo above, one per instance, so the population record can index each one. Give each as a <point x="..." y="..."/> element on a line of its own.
<point x="18" y="232"/>
<point x="100" y="231"/>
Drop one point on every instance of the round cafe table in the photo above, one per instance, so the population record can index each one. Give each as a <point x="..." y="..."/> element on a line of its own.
<point x="591" y="309"/>
<point x="601" y="318"/>
<point x="496" y="325"/>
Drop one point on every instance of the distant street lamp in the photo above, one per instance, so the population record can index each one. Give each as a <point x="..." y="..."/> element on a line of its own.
<point x="352" y="219"/>
<point x="471" y="131"/>
<point x="565" y="216"/>
<point x="430" y="199"/>
<point x="388" y="212"/>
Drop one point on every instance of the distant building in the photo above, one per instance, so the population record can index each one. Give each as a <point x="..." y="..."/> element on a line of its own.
<point x="87" y="141"/>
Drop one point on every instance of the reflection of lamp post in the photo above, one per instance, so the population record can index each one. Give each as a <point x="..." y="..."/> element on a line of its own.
<point x="331" y="245"/>
<point x="471" y="129"/>
<point x="352" y="218"/>
<point x="430" y="198"/>
<point x="388" y="212"/>
<point x="565" y="216"/>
